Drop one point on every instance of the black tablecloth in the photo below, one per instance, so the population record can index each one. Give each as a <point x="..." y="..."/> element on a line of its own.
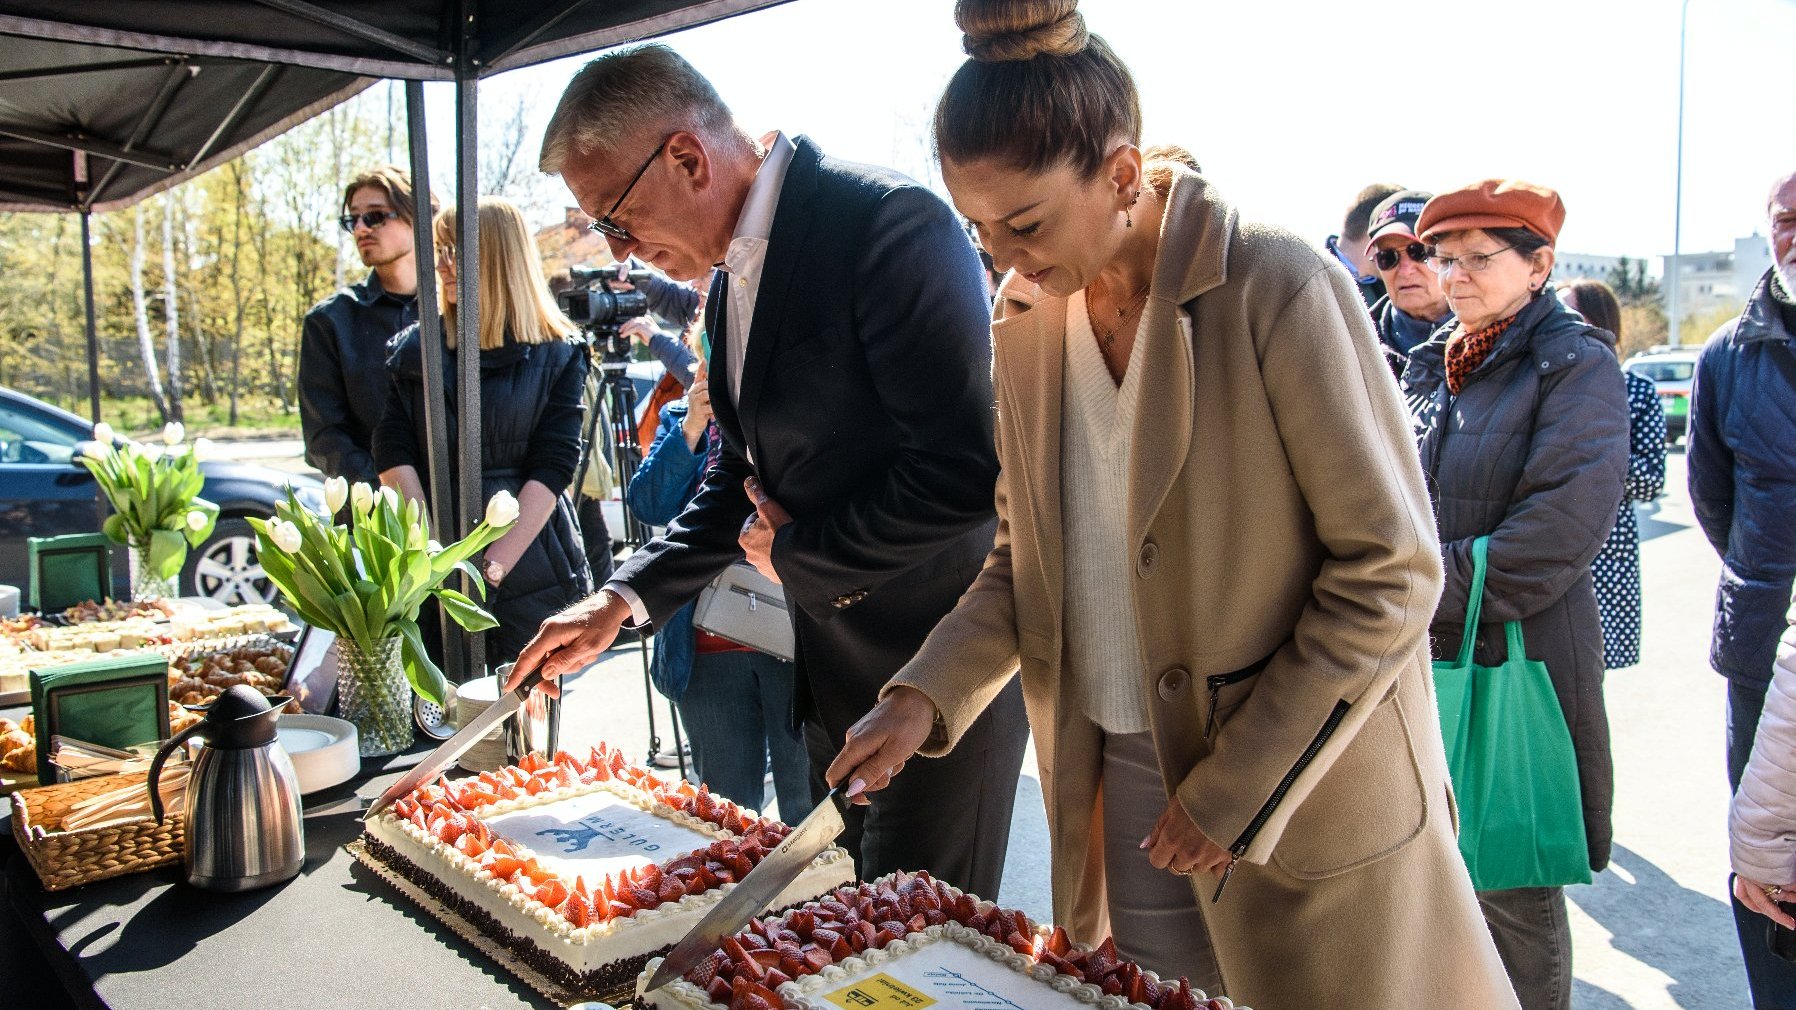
<point x="335" y="937"/>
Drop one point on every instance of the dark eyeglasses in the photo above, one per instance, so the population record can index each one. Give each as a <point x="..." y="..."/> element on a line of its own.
<point x="1387" y="258"/>
<point x="371" y="218"/>
<point x="611" y="229"/>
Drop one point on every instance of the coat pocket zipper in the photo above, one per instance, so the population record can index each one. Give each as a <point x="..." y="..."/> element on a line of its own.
<point x="1216" y="682"/>
<point x="1239" y="849"/>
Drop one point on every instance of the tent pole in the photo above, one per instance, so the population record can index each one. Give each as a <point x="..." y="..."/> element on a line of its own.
<point x="93" y="336"/>
<point x="430" y="342"/>
<point x="467" y="287"/>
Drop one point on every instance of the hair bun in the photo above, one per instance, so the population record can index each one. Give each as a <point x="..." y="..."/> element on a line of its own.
<point x="1000" y="31"/>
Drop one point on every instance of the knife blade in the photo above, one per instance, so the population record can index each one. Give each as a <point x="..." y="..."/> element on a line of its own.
<point x="437" y="760"/>
<point x="753" y="893"/>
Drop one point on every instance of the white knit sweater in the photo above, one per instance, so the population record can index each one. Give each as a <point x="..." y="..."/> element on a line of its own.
<point x="1103" y="656"/>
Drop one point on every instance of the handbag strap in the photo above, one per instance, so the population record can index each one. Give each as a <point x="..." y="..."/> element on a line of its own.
<point x="1474" y="600"/>
<point x="1474" y="609"/>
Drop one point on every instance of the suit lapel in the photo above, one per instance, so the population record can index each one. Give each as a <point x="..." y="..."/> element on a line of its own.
<point x="717" y="325"/>
<point x="791" y="228"/>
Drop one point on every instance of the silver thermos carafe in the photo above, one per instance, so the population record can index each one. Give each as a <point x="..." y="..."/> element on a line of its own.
<point x="243" y="816"/>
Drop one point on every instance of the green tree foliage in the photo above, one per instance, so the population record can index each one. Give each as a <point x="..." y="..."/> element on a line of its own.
<point x="251" y="246"/>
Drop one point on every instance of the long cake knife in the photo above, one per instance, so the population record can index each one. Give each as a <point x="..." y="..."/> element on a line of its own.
<point x="437" y="760"/>
<point x="753" y="893"/>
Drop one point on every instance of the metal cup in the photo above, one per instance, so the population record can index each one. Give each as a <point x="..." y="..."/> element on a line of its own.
<point x="536" y="727"/>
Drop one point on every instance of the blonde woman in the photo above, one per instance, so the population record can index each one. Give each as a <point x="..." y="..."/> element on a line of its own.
<point x="532" y="373"/>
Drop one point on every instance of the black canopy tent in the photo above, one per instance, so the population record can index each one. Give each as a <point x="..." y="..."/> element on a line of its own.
<point x="87" y="128"/>
<point x="415" y="40"/>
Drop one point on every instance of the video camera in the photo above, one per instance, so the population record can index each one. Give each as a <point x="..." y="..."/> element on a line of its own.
<point x="596" y="306"/>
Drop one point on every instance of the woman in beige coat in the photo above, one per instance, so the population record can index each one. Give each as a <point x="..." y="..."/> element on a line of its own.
<point x="1215" y="564"/>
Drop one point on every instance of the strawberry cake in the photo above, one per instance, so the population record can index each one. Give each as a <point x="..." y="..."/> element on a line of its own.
<point x="906" y="942"/>
<point x="581" y="867"/>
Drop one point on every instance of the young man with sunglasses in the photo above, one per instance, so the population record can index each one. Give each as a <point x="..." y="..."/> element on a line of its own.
<point x="343" y="346"/>
<point x="1413" y="305"/>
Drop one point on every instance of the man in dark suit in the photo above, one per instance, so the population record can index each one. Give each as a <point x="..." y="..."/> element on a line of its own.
<point x="850" y="359"/>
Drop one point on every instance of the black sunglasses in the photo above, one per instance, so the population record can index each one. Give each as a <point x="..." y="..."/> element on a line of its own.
<point x="371" y="218"/>
<point x="611" y="229"/>
<point x="1387" y="258"/>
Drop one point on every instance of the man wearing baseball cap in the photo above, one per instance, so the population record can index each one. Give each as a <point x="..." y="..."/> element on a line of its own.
<point x="1413" y="305"/>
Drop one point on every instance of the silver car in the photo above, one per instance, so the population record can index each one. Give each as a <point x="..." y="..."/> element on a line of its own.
<point x="1672" y="370"/>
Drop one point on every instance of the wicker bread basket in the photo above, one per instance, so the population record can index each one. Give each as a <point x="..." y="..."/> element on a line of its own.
<point x="65" y="859"/>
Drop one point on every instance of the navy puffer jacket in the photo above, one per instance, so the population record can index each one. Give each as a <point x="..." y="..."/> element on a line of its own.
<point x="1532" y="453"/>
<point x="1742" y="460"/>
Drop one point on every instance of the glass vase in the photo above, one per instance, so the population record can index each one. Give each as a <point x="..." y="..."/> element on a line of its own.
<point x="146" y="585"/>
<point x="372" y="692"/>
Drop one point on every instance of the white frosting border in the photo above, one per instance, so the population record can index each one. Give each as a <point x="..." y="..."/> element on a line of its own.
<point x="805" y="993"/>
<point x="833" y="864"/>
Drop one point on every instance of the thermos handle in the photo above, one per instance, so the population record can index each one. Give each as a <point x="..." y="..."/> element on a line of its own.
<point x="156" y="767"/>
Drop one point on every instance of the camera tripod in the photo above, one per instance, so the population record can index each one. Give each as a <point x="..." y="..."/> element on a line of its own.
<point x="618" y="401"/>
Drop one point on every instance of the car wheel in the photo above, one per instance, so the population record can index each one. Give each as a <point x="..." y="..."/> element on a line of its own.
<point x="225" y="568"/>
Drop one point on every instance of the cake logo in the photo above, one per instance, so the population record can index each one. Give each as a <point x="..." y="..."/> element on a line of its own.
<point x="593" y="827"/>
<point x="880" y="992"/>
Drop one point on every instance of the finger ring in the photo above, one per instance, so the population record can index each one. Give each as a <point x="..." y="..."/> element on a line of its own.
<point x="1775" y="892"/>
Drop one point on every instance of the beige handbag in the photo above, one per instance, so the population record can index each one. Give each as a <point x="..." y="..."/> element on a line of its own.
<point x="747" y="608"/>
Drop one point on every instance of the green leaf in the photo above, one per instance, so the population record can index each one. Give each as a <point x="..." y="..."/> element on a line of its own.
<point x="114" y="528"/>
<point x="168" y="550"/>
<point x="426" y="679"/>
<point x="464" y="611"/>
<point x="354" y="619"/>
<point x="374" y="608"/>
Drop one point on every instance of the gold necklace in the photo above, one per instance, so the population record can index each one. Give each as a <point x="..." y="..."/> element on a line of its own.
<point x="1108" y="336"/>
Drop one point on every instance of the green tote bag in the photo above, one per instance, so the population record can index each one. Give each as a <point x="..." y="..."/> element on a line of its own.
<point x="1521" y="819"/>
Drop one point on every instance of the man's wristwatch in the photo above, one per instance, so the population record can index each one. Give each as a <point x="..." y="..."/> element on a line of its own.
<point x="493" y="570"/>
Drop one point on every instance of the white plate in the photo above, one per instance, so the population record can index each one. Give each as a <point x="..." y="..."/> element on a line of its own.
<point x="323" y="749"/>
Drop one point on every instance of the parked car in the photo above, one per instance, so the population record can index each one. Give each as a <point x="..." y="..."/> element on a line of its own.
<point x="45" y="492"/>
<point x="1671" y="369"/>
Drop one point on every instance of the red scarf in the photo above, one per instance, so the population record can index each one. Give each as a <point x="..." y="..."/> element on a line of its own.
<point x="1466" y="351"/>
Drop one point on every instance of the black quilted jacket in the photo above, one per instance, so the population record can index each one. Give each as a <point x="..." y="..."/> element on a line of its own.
<point x="530" y="413"/>
<point x="1532" y="452"/>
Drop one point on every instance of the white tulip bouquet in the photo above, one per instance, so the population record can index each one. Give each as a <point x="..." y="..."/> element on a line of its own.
<point x="366" y="580"/>
<point x="154" y="491"/>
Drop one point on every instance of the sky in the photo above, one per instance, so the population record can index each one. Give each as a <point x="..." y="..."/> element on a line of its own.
<point x="1291" y="107"/>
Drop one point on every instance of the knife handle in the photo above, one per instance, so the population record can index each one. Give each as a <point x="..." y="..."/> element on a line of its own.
<point x="523" y="689"/>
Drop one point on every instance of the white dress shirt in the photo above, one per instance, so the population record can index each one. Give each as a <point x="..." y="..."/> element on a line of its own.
<point x="741" y="267"/>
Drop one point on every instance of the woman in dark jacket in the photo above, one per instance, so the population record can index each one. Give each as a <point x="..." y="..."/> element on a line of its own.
<point x="1525" y="440"/>
<point x="532" y="373"/>
<point x="1616" y="570"/>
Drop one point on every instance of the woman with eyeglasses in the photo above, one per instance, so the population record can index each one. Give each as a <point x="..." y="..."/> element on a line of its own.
<point x="1413" y="305"/>
<point x="1525" y="440"/>
<point x="532" y="375"/>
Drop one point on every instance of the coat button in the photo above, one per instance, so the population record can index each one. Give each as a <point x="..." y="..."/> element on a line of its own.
<point x="1145" y="561"/>
<point x="840" y="602"/>
<point x="1172" y="682"/>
